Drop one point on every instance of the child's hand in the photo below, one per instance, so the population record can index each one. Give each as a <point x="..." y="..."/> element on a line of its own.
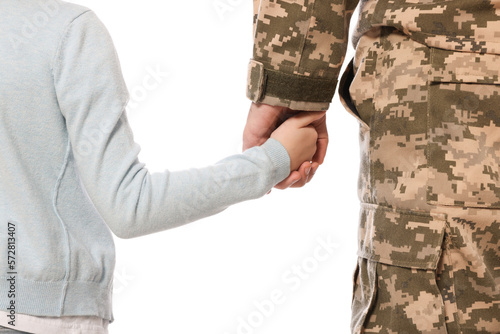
<point x="299" y="137"/>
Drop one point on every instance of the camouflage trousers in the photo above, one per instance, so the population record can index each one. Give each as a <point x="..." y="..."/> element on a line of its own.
<point x="429" y="185"/>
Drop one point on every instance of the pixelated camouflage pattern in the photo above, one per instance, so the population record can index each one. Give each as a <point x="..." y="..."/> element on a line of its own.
<point x="396" y="300"/>
<point x="425" y="89"/>
<point x="429" y="233"/>
<point x="384" y="234"/>
<point x="393" y="143"/>
<point x="464" y="123"/>
<point x="309" y="37"/>
<point x="304" y="37"/>
<point x="468" y="274"/>
<point x="256" y="78"/>
<point x="460" y="25"/>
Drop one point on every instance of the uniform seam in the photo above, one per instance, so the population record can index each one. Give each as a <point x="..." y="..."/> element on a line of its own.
<point x="398" y="263"/>
<point x="428" y="125"/>
<point x="438" y="272"/>
<point x="303" y="46"/>
<point x="452" y="287"/>
<point x="331" y="74"/>
<point x="441" y="216"/>
<point x="61" y="221"/>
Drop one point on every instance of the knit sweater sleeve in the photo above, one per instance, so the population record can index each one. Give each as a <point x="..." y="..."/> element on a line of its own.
<point x="92" y="96"/>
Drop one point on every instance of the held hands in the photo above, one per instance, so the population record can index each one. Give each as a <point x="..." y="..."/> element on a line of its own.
<point x="299" y="137"/>
<point x="264" y="119"/>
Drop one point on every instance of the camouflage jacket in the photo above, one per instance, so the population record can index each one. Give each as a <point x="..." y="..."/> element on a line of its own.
<point x="300" y="45"/>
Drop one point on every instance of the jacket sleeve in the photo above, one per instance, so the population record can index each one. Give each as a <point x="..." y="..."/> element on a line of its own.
<point x="299" y="48"/>
<point x="92" y="96"/>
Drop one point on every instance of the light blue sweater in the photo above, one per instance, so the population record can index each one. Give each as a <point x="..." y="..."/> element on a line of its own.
<point x="69" y="171"/>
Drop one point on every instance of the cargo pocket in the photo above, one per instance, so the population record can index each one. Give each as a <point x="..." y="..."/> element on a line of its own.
<point x="395" y="288"/>
<point x="463" y="150"/>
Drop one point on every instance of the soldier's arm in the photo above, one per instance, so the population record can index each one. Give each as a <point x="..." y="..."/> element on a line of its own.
<point x="299" y="47"/>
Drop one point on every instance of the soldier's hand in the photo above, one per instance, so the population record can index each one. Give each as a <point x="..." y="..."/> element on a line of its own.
<point x="264" y="119"/>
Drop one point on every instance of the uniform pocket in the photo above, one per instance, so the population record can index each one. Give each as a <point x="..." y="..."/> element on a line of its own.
<point x="463" y="150"/>
<point x="345" y="95"/>
<point x="395" y="287"/>
<point x="400" y="237"/>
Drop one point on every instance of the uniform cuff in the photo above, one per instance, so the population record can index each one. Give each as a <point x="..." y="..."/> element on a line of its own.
<point x="296" y="92"/>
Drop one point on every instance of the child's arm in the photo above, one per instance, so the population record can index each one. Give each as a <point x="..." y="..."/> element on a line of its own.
<point x="92" y="97"/>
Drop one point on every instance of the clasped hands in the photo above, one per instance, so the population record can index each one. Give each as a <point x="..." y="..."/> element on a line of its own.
<point x="303" y="133"/>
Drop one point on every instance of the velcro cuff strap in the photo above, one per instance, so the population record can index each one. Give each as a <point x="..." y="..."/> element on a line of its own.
<point x="264" y="82"/>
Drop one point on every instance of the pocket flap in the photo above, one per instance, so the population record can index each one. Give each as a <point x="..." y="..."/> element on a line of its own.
<point x="399" y="237"/>
<point x="464" y="67"/>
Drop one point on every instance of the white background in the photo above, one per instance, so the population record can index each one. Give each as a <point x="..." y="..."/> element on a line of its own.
<point x="209" y="276"/>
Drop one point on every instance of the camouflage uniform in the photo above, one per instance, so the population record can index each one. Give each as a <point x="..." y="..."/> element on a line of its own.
<point x="425" y="87"/>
